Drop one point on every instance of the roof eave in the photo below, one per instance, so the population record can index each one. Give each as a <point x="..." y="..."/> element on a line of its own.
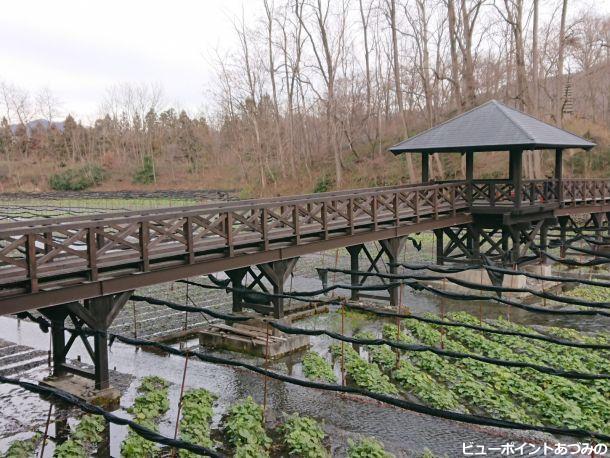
<point x="486" y="148"/>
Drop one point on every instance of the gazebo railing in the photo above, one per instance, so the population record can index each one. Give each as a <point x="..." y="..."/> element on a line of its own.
<point x="540" y="191"/>
<point x="493" y="193"/>
<point x="569" y="192"/>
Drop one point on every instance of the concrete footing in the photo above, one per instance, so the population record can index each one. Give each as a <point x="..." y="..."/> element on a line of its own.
<point x="83" y="388"/>
<point x="251" y="337"/>
<point x="481" y="277"/>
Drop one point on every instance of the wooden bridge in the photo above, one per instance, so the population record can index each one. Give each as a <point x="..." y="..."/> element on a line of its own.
<point x="54" y="261"/>
<point x="86" y="267"/>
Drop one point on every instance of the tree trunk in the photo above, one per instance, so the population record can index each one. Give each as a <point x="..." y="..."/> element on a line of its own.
<point x="560" y="58"/>
<point x="455" y="65"/>
<point x="398" y="88"/>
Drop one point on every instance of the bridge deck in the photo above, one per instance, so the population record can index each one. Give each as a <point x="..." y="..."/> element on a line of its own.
<point x="52" y="261"/>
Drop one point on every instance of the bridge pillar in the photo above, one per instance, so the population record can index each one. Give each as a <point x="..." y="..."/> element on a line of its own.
<point x="275" y="274"/>
<point x="544" y="230"/>
<point x="439" y="246"/>
<point x="57" y="316"/>
<point x="392" y="248"/>
<point x="598" y="223"/>
<point x="97" y="314"/>
<point x="563" y="223"/>
<point x="237" y="276"/>
<point x="354" y="253"/>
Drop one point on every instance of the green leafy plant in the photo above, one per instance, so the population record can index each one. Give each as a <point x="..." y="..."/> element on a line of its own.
<point x="77" y="179"/>
<point x="70" y="449"/>
<point x="147" y="409"/>
<point x="592" y="293"/>
<point x="90" y="429"/>
<point x="24" y="448"/>
<point x="135" y="446"/>
<point x="146" y="173"/>
<point x="323" y="184"/>
<point x="406" y="375"/>
<point x="315" y="367"/>
<point x="245" y="429"/>
<point x="466" y="386"/>
<point x="86" y="434"/>
<point x="519" y="394"/>
<point x="366" y="375"/>
<point x="196" y="417"/>
<point x="424" y="387"/>
<point x="367" y="447"/>
<point x="382" y="355"/>
<point x="303" y="437"/>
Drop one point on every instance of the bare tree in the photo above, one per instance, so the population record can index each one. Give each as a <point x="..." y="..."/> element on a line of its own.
<point x="535" y="60"/>
<point x="513" y="15"/>
<point x="560" y="59"/>
<point x="391" y="12"/>
<point x="269" y="14"/>
<point x="470" y="12"/>
<point x="47" y="104"/>
<point x="327" y="48"/>
<point x="455" y="64"/>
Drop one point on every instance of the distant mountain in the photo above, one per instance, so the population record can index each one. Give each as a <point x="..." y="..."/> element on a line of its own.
<point x="40" y="124"/>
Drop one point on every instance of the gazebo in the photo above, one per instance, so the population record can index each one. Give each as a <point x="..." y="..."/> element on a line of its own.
<point x="494" y="126"/>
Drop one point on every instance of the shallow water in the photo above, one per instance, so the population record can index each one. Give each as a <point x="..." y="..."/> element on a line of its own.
<point x="402" y="432"/>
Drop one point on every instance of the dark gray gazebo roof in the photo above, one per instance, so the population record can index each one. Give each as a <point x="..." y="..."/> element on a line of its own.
<point x="491" y="127"/>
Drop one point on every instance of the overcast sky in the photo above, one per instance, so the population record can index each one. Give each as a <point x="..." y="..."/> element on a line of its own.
<point x="79" y="49"/>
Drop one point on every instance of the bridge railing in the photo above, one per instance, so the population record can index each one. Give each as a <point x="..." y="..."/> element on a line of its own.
<point x="576" y="192"/>
<point x="70" y="250"/>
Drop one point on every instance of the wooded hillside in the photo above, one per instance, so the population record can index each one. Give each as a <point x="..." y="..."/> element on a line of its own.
<point x="317" y="91"/>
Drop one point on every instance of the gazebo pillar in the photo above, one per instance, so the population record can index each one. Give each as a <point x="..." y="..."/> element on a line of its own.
<point x="425" y="167"/>
<point x="559" y="174"/>
<point x="515" y="173"/>
<point x="469" y="173"/>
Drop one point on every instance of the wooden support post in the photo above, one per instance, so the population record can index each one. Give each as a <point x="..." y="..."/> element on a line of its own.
<point x="598" y="223"/>
<point x="188" y="238"/>
<point x="144" y="238"/>
<point x="475" y="242"/>
<point x="516" y="174"/>
<point x="425" y="167"/>
<point x="237" y="276"/>
<point x="354" y="253"/>
<point x="515" y="234"/>
<point x="92" y="253"/>
<point x="101" y="312"/>
<point x="563" y="222"/>
<point x="505" y="237"/>
<point x="31" y="261"/>
<point x="98" y="314"/>
<point x="277" y="273"/>
<point x="102" y="376"/>
<point x="57" y="316"/>
<point x="469" y="174"/>
<point x="392" y="248"/>
<point x="559" y="175"/>
<point x="439" y="246"/>
<point x="543" y="242"/>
